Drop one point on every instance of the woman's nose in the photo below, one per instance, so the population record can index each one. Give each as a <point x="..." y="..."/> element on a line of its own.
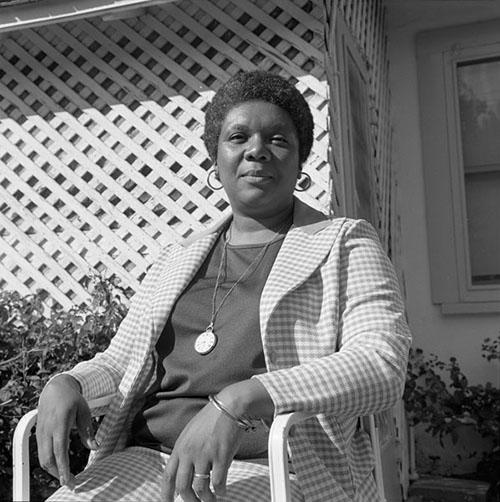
<point x="257" y="150"/>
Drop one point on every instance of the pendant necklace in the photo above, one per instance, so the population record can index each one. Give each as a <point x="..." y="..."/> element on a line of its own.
<point x="205" y="342"/>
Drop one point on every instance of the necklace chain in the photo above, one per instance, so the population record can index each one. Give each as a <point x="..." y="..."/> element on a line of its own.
<point x="206" y="341"/>
<point x="242" y="277"/>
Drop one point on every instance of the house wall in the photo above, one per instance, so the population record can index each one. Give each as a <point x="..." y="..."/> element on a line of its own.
<point x="444" y="335"/>
<point x="434" y="332"/>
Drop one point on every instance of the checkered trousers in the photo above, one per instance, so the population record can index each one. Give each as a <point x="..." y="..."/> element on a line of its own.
<point x="134" y="475"/>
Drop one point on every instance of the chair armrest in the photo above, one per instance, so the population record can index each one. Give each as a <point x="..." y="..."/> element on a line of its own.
<point x="371" y="426"/>
<point x="278" y="453"/>
<point x="20" y="447"/>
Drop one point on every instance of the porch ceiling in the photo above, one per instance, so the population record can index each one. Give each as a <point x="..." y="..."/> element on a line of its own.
<point x="15" y="15"/>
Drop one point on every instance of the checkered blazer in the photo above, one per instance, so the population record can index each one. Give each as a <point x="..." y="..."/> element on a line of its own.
<point x="335" y="342"/>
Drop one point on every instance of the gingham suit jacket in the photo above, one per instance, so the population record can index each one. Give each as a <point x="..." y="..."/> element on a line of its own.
<point x="334" y="336"/>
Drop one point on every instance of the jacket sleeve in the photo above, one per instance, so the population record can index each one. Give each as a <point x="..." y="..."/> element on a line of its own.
<point x="102" y="374"/>
<point x="367" y="372"/>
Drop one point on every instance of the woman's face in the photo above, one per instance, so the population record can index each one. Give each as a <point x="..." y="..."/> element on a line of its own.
<point x="258" y="158"/>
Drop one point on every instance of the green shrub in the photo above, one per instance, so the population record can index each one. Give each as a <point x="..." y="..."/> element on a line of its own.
<point x="444" y="406"/>
<point x="36" y="342"/>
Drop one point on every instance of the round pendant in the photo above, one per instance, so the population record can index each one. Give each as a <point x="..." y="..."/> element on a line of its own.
<point x="205" y="342"/>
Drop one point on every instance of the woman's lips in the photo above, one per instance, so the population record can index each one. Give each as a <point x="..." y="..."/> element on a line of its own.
<point x="257" y="178"/>
<point x="257" y="175"/>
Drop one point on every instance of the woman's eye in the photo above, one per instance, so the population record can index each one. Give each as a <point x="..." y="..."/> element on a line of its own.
<point x="279" y="140"/>
<point x="237" y="137"/>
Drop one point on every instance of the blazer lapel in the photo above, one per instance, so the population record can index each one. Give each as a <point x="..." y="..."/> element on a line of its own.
<point x="306" y="245"/>
<point x="177" y="274"/>
<point x="179" y="271"/>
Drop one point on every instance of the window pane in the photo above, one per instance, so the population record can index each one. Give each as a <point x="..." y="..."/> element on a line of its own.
<point x="483" y="209"/>
<point x="479" y="100"/>
<point x="479" y="95"/>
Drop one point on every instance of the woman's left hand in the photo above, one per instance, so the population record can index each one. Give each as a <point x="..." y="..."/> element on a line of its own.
<point x="206" y="446"/>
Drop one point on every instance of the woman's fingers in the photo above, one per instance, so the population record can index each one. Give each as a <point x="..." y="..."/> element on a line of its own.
<point x="47" y="460"/>
<point x="84" y="426"/>
<point x="167" y="485"/>
<point x="191" y="483"/>
<point x="184" y="481"/>
<point x="201" y="483"/>
<point x="53" y="446"/>
<point x="45" y="451"/>
<point x="58" y="408"/>
<point x="61" y="455"/>
<point x="219" y="478"/>
<point x="54" y="458"/>
<point x="209" y="439"/>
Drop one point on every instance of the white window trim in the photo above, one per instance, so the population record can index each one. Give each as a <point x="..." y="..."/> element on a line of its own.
<point x="438" y="53"/>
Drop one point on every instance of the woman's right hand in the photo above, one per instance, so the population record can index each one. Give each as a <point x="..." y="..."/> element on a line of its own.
<point x="61" y="407"/>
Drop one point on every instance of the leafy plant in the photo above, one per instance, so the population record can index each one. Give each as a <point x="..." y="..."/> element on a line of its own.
<point x="444" y="407"/>
<point x="36" y="342"/>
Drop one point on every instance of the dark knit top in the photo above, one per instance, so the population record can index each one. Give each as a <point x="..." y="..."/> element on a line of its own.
<point x="186" y="378"/>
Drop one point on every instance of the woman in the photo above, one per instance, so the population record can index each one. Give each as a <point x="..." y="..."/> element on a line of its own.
<point x="274" y="310"/>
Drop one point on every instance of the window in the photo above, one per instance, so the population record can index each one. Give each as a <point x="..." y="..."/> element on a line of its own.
<point x="459" y="81"/>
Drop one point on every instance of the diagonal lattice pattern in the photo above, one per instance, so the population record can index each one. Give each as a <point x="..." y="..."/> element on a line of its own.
<point x="101" y="156"/>
<point x="366" y="21"/>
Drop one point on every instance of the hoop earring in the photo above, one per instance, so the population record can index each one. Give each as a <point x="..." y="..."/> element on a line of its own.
<point x="303" y="184"/>
<point x="213" y="174"/>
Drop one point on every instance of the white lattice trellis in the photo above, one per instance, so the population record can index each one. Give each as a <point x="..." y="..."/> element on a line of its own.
<point x="366" y="21"/>
<point x="101" y="157"/>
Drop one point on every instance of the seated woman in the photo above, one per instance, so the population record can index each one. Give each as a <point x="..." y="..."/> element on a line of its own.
<point x="276" y="309"/>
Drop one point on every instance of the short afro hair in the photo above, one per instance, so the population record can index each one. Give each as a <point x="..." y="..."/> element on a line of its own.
<point x="259" y="86"/>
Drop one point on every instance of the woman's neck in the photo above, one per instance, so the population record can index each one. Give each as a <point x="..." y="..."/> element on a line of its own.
<point x="250" y="230"/>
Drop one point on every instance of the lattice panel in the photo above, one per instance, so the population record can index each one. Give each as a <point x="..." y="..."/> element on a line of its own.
<point x="366" y="20"/>
<point x="101" y="157"/>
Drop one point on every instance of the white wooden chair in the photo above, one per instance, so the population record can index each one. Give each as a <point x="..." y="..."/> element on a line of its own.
<point x="278" y="453"/>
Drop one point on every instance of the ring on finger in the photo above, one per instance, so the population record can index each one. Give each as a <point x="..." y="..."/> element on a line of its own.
<point x="201" y="476"/>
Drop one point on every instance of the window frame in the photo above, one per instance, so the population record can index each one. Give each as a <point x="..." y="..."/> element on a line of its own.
<point x="438" y="54"/>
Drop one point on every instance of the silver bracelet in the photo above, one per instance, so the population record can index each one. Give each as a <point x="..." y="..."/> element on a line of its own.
<point x="242" y="423"/>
